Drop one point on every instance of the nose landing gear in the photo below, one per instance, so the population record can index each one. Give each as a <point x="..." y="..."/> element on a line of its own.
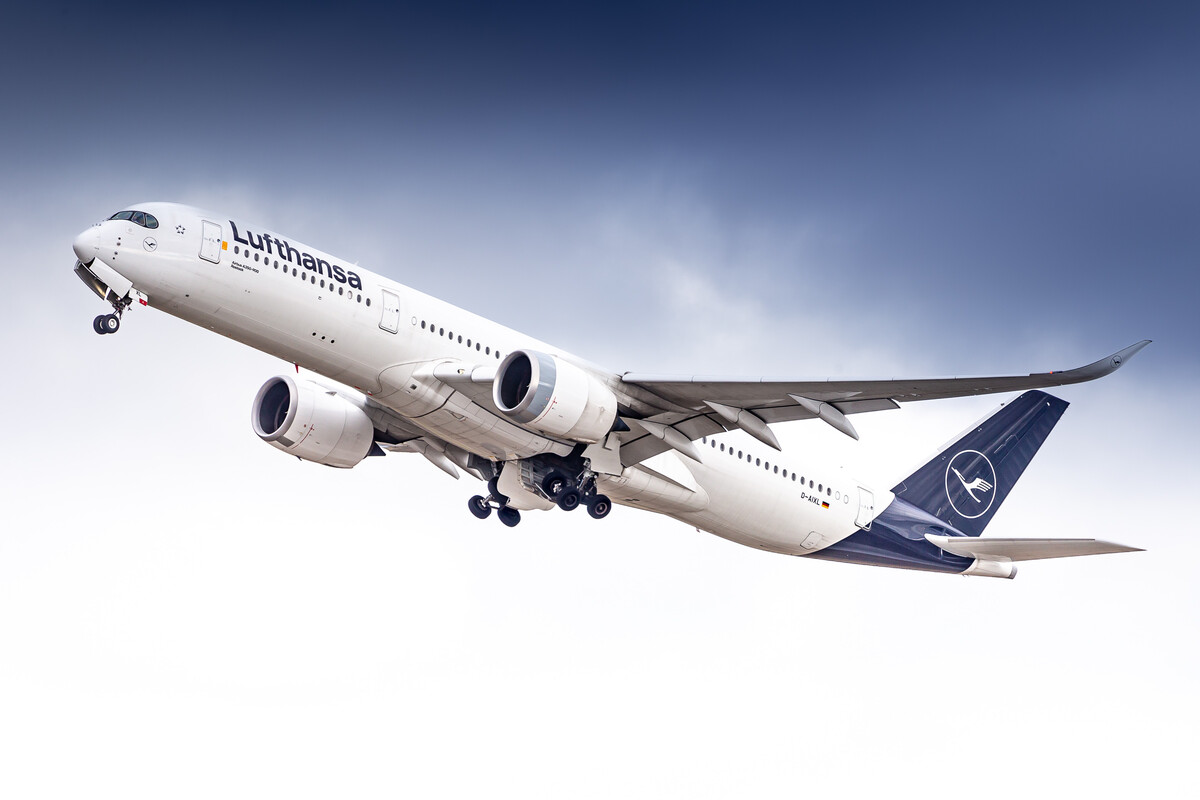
<point x="107" y="323"/>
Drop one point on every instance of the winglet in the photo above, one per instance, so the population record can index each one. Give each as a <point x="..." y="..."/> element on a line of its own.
<point x="1098" y="369"/>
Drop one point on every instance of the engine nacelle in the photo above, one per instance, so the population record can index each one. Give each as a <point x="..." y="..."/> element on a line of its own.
<point x="305" y="419"/>
<point x="553" y="397"/>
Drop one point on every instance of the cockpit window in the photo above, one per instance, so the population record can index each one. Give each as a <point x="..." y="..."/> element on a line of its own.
<point x="137" y="217"/>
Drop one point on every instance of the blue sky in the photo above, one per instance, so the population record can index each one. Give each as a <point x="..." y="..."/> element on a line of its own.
<point x="765" y="189"/>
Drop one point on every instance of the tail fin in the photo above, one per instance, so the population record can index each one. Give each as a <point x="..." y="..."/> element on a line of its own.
<point x="965" y="484"/>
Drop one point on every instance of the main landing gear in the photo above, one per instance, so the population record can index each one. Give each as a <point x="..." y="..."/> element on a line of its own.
<point x="568" y="493"/>
<point x="567" y="484"/>
<point x="482" y="507"/>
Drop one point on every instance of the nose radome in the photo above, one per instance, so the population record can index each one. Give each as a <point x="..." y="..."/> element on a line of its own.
<point x="87" y="245"/>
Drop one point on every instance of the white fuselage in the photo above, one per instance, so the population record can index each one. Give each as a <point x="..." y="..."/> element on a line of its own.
<point x="383" y="338"/>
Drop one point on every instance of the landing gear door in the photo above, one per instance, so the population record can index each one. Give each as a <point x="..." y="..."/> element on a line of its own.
<point x="210" y="241"/>
<point x="391" y="313"/>
<point x="866" y="509"/>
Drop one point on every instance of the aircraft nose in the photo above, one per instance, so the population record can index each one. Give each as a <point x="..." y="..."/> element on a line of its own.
<point x="87" y="245"/>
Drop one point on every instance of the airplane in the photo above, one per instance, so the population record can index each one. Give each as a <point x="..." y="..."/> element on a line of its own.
<point x="545" y="429"/>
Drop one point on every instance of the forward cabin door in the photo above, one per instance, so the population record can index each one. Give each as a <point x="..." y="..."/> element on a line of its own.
<point x="391" y="313"/>
<point x="210" y="241"/>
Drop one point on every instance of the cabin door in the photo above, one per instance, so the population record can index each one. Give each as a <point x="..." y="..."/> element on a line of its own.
<point x="391" y="313"/>
<point x="210" y="241"/>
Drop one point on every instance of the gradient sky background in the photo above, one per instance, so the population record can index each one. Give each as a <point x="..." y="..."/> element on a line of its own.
<point x="764" y="189"/>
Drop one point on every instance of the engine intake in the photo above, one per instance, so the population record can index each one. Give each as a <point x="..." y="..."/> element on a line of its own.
<point x="305" y="419"/>
<point x="553" y="396"/>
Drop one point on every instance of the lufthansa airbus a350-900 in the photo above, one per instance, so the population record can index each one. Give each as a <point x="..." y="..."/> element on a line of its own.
<point x="545" y="429"/>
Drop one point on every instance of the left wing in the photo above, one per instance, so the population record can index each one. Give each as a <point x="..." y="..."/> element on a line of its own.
<point x="701" y="406"/>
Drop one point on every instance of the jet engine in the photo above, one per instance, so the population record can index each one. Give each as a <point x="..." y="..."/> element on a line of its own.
<point x="305" y="419"/>
<point x="553" y="397"/>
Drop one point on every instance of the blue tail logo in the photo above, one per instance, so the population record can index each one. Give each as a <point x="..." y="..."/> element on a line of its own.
<point x="978" y="490"/>
<point x="965" y="484"/>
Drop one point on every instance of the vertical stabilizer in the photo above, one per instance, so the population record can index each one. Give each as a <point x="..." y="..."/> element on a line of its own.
<point x="967" y="482"/>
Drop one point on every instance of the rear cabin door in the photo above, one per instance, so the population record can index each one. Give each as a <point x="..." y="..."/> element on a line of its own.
<point x="391" y="313"/>
<point x="866" y="509"/>
<point x="210" y="241"/>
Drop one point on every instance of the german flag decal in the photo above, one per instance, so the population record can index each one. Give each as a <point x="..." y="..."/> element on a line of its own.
<point x="824" y="504"/>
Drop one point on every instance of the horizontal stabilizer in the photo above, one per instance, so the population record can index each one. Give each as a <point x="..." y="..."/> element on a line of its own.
<point x="1024" y="549"/>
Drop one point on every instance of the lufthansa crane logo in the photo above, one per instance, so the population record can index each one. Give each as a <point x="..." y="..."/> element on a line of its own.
<point x="970" y="484"/>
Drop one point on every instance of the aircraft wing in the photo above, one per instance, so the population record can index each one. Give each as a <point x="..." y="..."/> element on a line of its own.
<point x="782" y="400"/>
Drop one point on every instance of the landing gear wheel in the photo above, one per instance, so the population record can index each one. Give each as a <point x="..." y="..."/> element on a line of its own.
<point x="509" y="516"/>
<point x="98" y="325"/>
<point x="493" y="489"/>
<point x="555" y="483"/>
<point x="479" y="507"/>
<point x="111" y="323"/>
<point x="568" y="499"/>
<point x="599" y="506"/>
